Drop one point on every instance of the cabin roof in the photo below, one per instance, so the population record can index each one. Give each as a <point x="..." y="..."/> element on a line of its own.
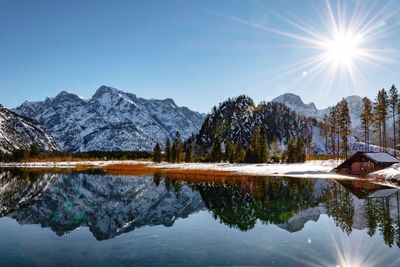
<point x="376" y="157"/>
<point x="381" y="157"/>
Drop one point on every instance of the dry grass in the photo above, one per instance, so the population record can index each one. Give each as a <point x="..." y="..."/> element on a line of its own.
<point x="48" y="169"/>
<point x="176" y="174"/>
<point x="320" y="157"/>
<point x="129" y="169"/>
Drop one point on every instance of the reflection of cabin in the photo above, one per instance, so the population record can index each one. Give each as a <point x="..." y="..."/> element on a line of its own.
<point x="365" y="162"/>
<point x="363" y="189"/>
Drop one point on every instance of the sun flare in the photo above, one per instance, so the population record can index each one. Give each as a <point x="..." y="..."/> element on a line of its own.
<point x="343" y="49"/>
<point x="347" y="42"/>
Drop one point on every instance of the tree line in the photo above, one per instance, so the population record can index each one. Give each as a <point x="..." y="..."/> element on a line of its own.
<point x="375" y="116"/>
<point x="259" y="150"/>
<point x="336" y="129"/>
<point x="34" y="153"/>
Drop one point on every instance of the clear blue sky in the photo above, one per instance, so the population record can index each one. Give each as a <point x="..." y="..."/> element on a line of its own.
<point x="196" y="52"/>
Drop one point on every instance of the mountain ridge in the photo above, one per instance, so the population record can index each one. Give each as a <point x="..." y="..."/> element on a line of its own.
<point x="111" y="120"/>
<point x="20" y="132"/>
<point x="295" y="103"/>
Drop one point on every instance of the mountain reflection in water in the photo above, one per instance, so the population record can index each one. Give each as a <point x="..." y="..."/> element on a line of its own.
<point x="110" y="205"/>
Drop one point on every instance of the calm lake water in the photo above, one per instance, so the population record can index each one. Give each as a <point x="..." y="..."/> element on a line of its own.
<point x="97" y="219"/>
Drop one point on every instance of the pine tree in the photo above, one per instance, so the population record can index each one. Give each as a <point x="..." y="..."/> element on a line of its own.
<point x="381" y="112"/>
<point x="366" y="118"/>
<point x="157" y="153"/>
<point x="334" y="131"/>
<point x="257" y="151"/>
<point x="263" y="146"/>
<point x="299" y="154"/>
<point x="393" y="103"/>
<point x="398" y="120"/>
<point x="275" y="150"/>
<point x="229" y="151"/>
<point x="377" y="124"/>
<point x="250" y="156"/>
<point x="291" y="152"/>
<point x="216" y="154"/>
<point x="177" y="148"/>
<point x="168" y="152"/>
<point x="188" y="152"/>
<point x="310" y="151"/>
<point x="345" y="126"/>
<point x="239" y="154"/>
<point x="325" y="131"/>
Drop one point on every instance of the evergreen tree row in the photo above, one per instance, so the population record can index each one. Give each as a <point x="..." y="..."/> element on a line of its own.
<point x="336" y="129"/>
<point x="258" y="151"/>
<point x="375" y="115"/>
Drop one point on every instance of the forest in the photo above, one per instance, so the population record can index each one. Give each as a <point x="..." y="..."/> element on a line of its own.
<point x="216" y="142"/>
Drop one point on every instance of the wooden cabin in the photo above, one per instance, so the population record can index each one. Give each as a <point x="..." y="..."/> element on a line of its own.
<point x="362" y="163"/>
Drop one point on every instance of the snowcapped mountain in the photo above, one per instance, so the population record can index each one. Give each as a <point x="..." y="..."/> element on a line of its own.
<point x="18" y="132"/>
<point x="295" y="103"/>
<point x="236" y="119"/>
<point x="111" y="120"/>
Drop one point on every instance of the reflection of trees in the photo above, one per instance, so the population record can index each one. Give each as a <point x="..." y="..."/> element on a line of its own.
<point x="385" y="224"/>
<point x="371" y="212"/>
<point x="381" y="213"/>
<point x="339" y="205"/>
<point x="397" y="227"/>
<point x="271" y="200"/>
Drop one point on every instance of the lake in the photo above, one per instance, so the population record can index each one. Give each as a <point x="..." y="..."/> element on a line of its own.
<point x="68" y="218"/>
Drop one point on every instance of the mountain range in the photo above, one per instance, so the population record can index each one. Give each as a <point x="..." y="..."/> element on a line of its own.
<point x="20" y="132"/>
<point x="294" y="102"/>
<point x="116" y="120"/>
<point x="111" y="120"/>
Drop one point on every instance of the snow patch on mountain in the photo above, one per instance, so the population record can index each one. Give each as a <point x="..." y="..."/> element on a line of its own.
<point x="19" y="132"/>
<point x="295" y="103"/>
<point x="111" y="120"/>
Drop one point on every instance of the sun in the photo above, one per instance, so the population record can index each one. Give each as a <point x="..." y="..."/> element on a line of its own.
<point x="343" y="42"/>
<point x="343" y="48"/>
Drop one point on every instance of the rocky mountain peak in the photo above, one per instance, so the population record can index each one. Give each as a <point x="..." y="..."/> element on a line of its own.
<point x="293" y="100"/>
<point x="111" y="120"/>
<point x="295" y="103"/>
<point x="104" y="90"/>
<point x="65" y="96"/>
<point x="170" y="101"/>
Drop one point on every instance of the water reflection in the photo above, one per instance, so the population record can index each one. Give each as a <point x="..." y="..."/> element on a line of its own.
<point x="110" y="205"/>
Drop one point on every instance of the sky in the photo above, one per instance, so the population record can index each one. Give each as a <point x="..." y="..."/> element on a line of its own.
<point x="199" y="52"/>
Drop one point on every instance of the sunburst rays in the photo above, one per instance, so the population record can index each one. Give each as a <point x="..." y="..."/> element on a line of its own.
<point x="346" y="40"/>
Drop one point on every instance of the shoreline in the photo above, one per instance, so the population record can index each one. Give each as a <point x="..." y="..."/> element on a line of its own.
<point x="320" y="169"/>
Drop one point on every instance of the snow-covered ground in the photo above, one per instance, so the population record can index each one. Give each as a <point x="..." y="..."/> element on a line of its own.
<point x="310" y="169"/>
<point x="390" y="173"/>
